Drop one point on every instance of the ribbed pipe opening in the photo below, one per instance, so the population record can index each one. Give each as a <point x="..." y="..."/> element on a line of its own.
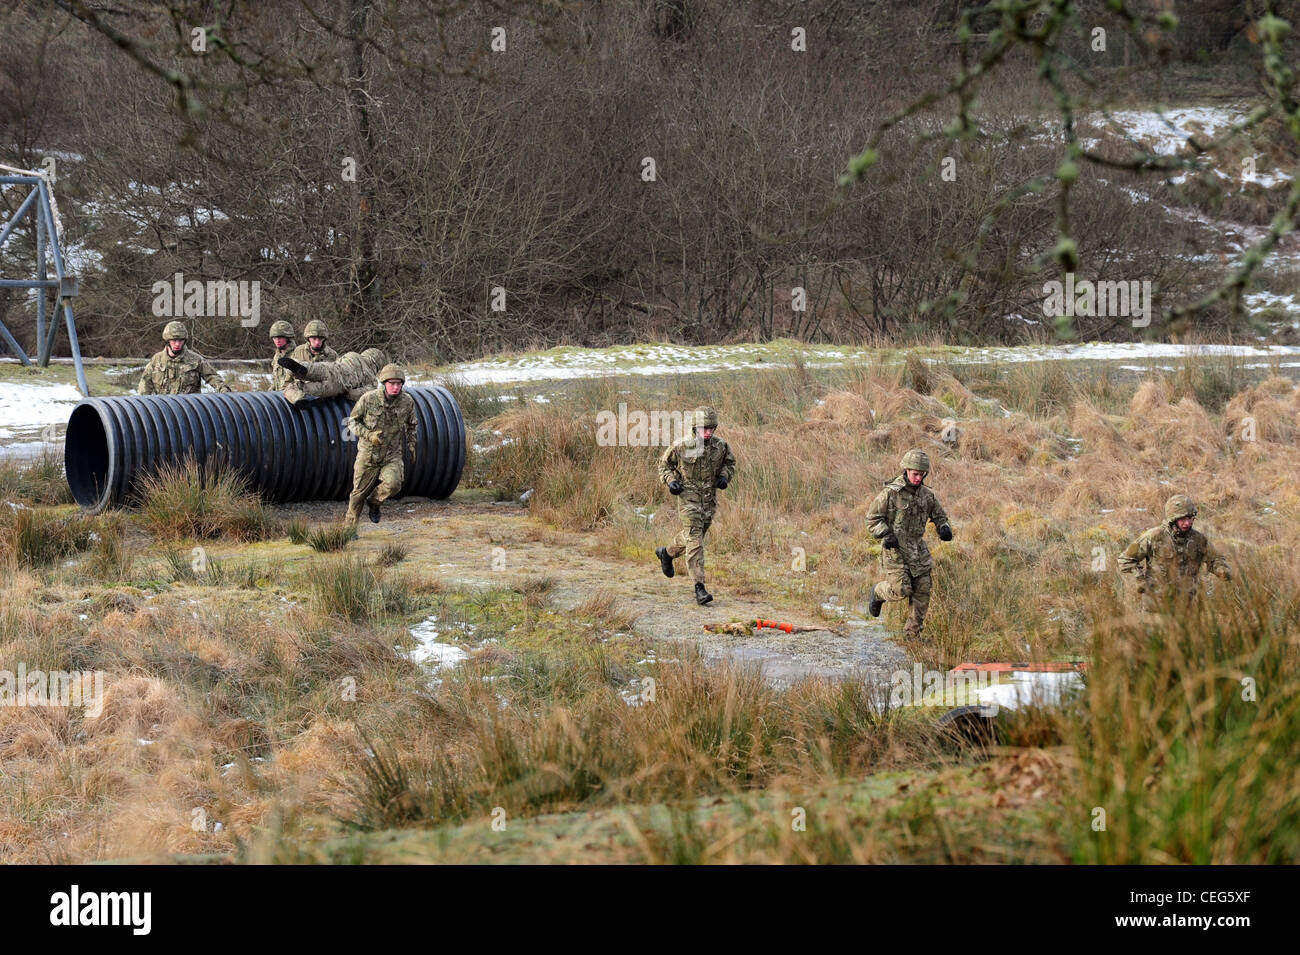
<point x="86" y="458"/>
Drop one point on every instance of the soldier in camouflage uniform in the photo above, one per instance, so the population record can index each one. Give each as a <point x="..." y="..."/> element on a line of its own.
<point x="1166" y="561"/>
<point x="282" y="336"/>
<point x="177" y="370"/>
<point x="898" y="517"/>
<point x="314" y="348"/>
<point x="352" y="375"/>
<point x="385" y="424"/>
<point x="695" y="469"/>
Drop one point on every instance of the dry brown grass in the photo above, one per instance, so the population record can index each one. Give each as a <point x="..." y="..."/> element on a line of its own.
<point x="185" y="499"/>
<point x="1032" y="496"/>
<point x="228" y="701"/>
<point x="200" y="721"/>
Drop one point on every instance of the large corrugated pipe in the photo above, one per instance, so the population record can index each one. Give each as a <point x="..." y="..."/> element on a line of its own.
<point x="286" y="453"/>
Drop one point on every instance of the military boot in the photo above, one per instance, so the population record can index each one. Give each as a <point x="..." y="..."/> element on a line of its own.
<point x="876" y="604"/>
<point x="702" y="596"/>
<point x="374" y="511"/>
<point x="665" y="561"/>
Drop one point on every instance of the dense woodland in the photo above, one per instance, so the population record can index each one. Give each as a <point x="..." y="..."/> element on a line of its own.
<point x="380" y="165"/>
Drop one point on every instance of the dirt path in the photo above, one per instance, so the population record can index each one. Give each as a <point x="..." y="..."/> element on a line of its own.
<point x="483" y="544"/>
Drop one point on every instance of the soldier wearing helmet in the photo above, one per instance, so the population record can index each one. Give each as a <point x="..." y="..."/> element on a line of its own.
<point x="177" y="369"/>
<point x="314" y="348"/>
<point x="898" y="517"/>
<point x="1166" y="561"/>
<point x="384" y="423"/>
<point x="282" y="336"/>
<point x="695" y="469"/>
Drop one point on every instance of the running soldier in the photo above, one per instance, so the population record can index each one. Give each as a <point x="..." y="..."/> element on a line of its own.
<point x="1166" y="561"/>
<point x="384" y="422"/>
<point x="695" y="469"/>
<point x="898" y="517"/>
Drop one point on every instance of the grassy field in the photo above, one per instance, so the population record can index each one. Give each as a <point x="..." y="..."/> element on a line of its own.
<point x="261" y="703"/>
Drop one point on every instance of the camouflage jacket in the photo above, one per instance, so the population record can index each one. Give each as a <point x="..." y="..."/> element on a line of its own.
<point x="280" y="379"/>
<point x="697" y="465"/>
<point x="1161" y="559"/>
<point x="166" y="374"/>
<point x="905" y="510"/>
<point x="382" y="424"/>
<point x="304" y="355"/>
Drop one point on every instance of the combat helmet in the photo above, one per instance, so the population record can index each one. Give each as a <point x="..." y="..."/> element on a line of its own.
<point x="282" y="329"/>
<point x="391" y="371"/>
<point x="1180" y="505"/>
<point x="175" y="330"/>
<point x="704" y="417"/>
<point x="316" y="329"/>
<point x="375" y="356"/>
<point x="916" y="460"/>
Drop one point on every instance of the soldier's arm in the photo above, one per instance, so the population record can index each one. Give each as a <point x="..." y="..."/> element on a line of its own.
<point x="412" y="425"/>
<point x="355" y="419"/>
<point x="1135" y="557"/>
<point x="727" y="470"/>
<point x="1216" y="563"/>
<point x="668" y="466"/>
<point x="213" y="377"/>
<point x="878" y="515"/>
<point x="146" y="379"/>
<point x="938" y="516"/>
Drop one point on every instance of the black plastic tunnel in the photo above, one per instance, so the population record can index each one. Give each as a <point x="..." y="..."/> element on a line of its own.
<point x="286" y="453"/>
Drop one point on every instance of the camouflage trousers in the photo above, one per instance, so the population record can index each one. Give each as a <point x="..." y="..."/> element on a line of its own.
<point x="373" y="474"/>
<point x="690" y="541"/>
<point x="1154" y="604"/>
<point x="900" y="585"/>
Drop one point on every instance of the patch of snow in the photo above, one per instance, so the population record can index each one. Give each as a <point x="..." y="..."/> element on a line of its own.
<point x="429" y="652"/>
<point x="1166" y="133"/>
<point x="1028" y="688"/>
<point x="631" y="694"/>
<point x="33" y="404"/>
<point x="650" y="361"/>
<point x="27" y="450"/>
<point x="1260" y="301"/>
<point x="1110" y="351"/>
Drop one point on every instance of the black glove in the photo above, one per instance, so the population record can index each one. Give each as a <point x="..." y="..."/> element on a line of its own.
<point x="295" y="368"/>
<point x="674" y="487"/>
<point x="890" y="541"/>
<point x="720" y="484"/>
<point x="945" y="533"/>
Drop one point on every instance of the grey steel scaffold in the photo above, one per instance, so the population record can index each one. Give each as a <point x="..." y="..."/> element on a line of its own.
<point x="40" y="205"/>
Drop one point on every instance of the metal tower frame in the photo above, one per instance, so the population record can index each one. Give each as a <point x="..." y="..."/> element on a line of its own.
<point x="41" y="206"/>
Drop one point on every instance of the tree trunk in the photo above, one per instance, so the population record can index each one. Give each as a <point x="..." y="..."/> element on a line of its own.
<point x="364" y="301"/>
